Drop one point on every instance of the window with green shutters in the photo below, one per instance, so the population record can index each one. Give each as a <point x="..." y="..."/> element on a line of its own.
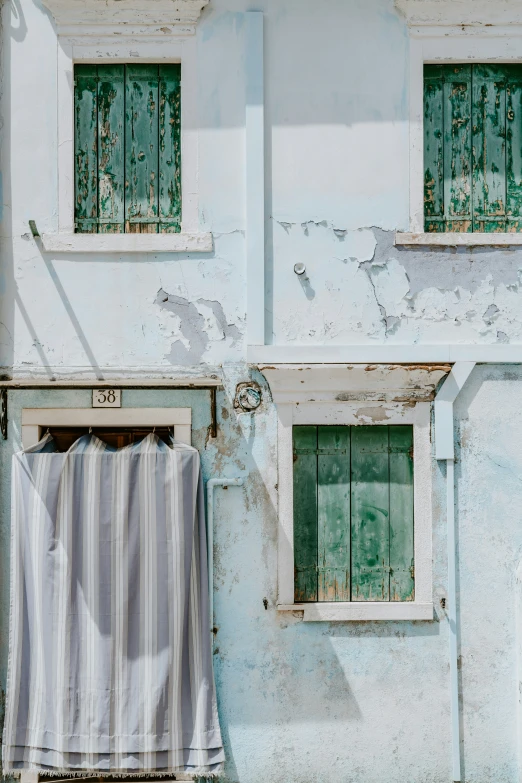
<point x="127" y="148"/>
<point x="473" y="148"/>
<point x="353" y="513"/>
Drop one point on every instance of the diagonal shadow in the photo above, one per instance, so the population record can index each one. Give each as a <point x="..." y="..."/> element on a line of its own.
<point x="74" y="320"/>
<point x="34" y="337"/>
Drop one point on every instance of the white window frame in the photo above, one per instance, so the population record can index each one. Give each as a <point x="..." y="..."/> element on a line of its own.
<point x="36" y="420"/>
<point x="78" y="50"/>
<point x="375" y="413"/>
<point x="441" y="45"/>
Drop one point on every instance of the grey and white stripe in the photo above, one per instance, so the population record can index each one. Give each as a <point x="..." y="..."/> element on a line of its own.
<point x="110" y="667"/>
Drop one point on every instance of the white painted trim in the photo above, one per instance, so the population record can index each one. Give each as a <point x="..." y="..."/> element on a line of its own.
<point x="358" y="611"/>
<point x="338" y="383"/>
<point x="496" y="353"/>
<point x="459" y="240"/>
<point x="35" y="420"/>
<point x="127" y="49"/>
<point x="467" y="14"/>
<point x="350" y="413"/>
<point x="443" y="409"/>
<point x="111" y="15"/>
<point x="445" y="45"/>
<point x="128" y="243"/>
<point x="255" y="178"/>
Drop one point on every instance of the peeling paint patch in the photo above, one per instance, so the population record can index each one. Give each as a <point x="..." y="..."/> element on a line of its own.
<point x="195" y="332"/>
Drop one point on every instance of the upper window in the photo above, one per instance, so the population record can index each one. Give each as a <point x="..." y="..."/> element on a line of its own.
<point x="353" y="513"/>
<point x="127" y="148"/>
<point x="473" y="148"/>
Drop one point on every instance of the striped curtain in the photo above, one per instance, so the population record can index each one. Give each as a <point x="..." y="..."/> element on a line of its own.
<point x="110" y="666"/>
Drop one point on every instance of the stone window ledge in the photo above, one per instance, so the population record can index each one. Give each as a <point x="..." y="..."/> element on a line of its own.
<point x="358" y="611"/>
<point x="128" y="243"/>
<point x="459" y="240"/>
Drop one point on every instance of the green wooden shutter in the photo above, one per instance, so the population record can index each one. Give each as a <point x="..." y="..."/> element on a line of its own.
<point x="86" y="148"/>
<point x="128" y="148"/>
<point x="447" y="148"/>
<point x="513" y="147"/>
<point x="170" y="148"/>
<point x="111" y="176"/>
<point x="333" y="513"/>
<point x="305" y="513"/>
<point x="353" y="513"/>
<point x="489" y="148"/>
<point x="473" y="148"/>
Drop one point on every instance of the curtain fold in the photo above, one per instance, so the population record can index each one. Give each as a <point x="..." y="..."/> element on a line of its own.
<point x="110" y="664"/>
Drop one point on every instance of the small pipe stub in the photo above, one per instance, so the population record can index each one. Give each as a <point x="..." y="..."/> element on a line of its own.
<point x="34" y="230"/>
<point x="299" y="269"/>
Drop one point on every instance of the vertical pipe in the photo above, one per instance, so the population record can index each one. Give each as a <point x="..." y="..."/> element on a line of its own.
<point x="225" y="483"/>
<point x="452" y="618"/>
<point x="255" y="179"/>
<point x="445" y="450"/>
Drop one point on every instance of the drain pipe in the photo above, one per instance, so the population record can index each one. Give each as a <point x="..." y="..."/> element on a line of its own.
<point x="445" y="450"/>
<point x="211" y="483"/>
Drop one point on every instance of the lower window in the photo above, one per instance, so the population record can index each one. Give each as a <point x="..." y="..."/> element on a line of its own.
<point x="353" y="513"/>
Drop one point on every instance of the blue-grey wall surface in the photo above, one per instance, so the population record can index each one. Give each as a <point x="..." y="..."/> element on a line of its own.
<point x="343" y="702"/>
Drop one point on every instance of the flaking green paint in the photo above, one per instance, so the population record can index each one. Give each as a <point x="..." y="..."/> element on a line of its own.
<point x="128" y="148"/>
<point x="353" y="513"/>
<point x="472" y="148"/>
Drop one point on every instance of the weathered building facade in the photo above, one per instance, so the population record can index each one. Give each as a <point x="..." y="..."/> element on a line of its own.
<point x="299" y="268"/>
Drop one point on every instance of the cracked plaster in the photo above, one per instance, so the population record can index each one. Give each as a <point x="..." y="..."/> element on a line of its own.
<point x="361" y="288"/>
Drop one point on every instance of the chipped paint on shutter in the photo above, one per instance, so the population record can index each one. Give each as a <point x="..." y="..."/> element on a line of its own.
<point x="489" y="148"/>
<point x="370" y="500"/>
<point x="457" y="148"/>
<point x="111" y="148"/>
<point x="170" y="148"/>
<point x="402" y="583"/>
<point x="141" y="149"/>
<point x="513" y="148"/>
<point x="305" y="513"/>
<point x="86" y="149"/>
<point x="333" y="513"/>
<point x="433" y="149"/>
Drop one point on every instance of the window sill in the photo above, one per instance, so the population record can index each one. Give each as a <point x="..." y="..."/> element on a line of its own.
<point x="360" y="611"/>
<point x="459" y="240"/>
<point x="128" y="243"/>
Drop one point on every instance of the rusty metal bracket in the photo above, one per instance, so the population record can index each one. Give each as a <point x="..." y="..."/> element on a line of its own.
<point x="3" y="413"/>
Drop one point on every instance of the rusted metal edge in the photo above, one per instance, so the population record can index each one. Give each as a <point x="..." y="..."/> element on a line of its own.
<point x="5" y="385"/>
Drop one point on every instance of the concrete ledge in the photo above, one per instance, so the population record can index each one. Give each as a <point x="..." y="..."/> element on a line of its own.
<point x="459" y="240"/>
<point x="360" y="611"/>
<point x="128" y="243"/>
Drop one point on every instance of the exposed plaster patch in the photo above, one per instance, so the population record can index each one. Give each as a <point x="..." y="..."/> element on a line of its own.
<point x="195" y="331"/>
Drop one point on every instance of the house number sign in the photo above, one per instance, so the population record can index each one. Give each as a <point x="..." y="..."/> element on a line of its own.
<point x="106" y="398"/>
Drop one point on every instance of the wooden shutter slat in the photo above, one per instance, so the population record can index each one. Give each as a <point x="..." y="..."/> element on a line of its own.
<point x="305" y="513"/>
<point x="513" y="148"/>
<point x="141" y="149"/>
<point x="489" y="149"/>
<point x="370" y="514"/>
<point x="86" y="149"/>
<point x="457" y="148"/>
<point x="111" y="148"/>
<point x="433" y="149"/>
<point x="333" y="523"/>
<point x="402" y="583"/>
<point x="170" y="148"/>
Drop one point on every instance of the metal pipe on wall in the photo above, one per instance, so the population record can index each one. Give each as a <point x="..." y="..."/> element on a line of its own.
<point x="211" y="484"/>
<point x="445" y="450"/>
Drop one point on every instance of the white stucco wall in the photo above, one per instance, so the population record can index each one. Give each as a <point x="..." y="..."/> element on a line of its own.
<point x="336" y="703"/>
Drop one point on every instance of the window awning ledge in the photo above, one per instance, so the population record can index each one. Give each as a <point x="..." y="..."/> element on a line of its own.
<point x="367" y="611"/>
<point x="113" y="17"/>
<point x="454" y="239"/>
<point x="299" y="383"/>
<point x="128" y="243"/>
